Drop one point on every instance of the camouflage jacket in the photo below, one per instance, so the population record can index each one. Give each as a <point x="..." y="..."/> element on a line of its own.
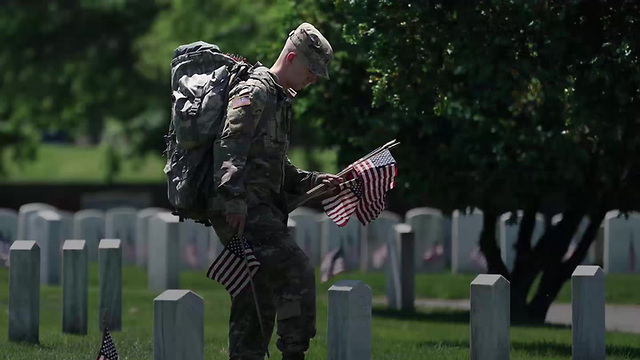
<point x="250" y="157"/>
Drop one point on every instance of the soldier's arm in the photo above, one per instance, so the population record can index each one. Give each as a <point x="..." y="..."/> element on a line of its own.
<point x="246" y="103"/>
<point x="298" y="181"/>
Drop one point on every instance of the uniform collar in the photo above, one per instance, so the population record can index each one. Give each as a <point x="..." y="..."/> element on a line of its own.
<point x="289" y="93"/>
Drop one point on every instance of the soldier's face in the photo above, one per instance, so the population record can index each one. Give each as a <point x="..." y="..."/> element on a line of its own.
<point x="300" y="76"/>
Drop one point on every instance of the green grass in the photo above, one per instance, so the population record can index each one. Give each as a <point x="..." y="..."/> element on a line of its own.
<point x="423" y="335"/>
<point x="76" y="164"/>
<point x="619" y="288"/>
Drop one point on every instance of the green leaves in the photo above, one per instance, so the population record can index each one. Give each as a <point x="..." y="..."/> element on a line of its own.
<point x="520" y="97"/>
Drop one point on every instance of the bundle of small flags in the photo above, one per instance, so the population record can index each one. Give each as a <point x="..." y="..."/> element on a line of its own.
<point x="364" y="191"/>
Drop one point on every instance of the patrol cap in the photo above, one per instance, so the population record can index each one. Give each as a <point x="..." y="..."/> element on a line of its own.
<point x="315" y="49"/>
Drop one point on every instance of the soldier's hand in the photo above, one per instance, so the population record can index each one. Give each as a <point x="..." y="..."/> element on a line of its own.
<point x="332" y="183"/>
<point x="236" y="221"/>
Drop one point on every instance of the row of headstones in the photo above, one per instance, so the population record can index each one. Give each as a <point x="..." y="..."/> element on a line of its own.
<point x="178" y="314"/>
<point x="28" y="270"/>
<point x="438" y="239"/>
<point x="490" y="315"/>
<point x="41" y="222"/>
<point x="25" y="280"/>
<point x="490" y="305"/>
<point x="164" y="262"/>
<point x="441" y="240"/>
<point x="349" y="317"/>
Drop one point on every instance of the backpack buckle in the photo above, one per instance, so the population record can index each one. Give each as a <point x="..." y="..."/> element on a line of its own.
<point x="193" y="110"/>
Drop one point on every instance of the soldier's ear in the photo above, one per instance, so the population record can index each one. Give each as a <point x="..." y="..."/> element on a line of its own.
<point x="288" y="59"/>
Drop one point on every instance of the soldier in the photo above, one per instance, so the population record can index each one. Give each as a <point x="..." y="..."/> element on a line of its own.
<point x="253" y="179"/>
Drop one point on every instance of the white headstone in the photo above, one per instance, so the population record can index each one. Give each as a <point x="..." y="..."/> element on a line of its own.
<point x="178" y="328"/>
<point x="393" y="275"/>
<point x="215" y="247"/>
<point x="588" y="314"/>
<point x="400" y="284"/>
<point x="307" y="232"/>
<point x="194" y="245"/>
<point x="621" y="243"/>
<point x="88" y="225"/>
<point x="110" y="280"/>
<point x="164" y="252"/>
<point x="465" y="243"/>
<point x="490" y="318"/>
<point x="508" y="236"/>
<point x="428" y="226"/>
<point x="143" y="218"/>
<point x="8" y="233"/>
<point x="25" y="212"/>
<point x="349" y="321"/>
<point x="74" y="287"/>
<point x="380" y="234"/>
<point x="24" y="292"/>
<point x="46" y="227"/>
<point x="349" y="237"/>
<point x="66" y="222"/>
<point x="120" y="223"/>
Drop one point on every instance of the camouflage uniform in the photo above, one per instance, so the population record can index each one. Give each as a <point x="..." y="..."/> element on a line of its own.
<point x="255" y="184"/>
<point x="254" y="177"/>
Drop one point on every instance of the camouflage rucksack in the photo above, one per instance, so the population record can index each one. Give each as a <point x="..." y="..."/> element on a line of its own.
<point x="201" y="77"/>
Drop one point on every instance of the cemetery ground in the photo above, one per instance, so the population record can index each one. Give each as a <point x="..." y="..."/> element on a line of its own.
<point x="425" y="334"/>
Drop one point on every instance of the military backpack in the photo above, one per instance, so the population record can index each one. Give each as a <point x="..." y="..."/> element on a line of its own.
<point x="201" y="77"/>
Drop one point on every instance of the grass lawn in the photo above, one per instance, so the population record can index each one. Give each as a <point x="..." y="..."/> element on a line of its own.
<point x="423" y="335"/>
<point x="75" y="164"/>
<point x="619" y="288"/>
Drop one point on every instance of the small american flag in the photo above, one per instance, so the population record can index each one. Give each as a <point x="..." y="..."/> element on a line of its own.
<point x="235" y="266"/>
<point x="364" y="195"/>
<point x="332" y="264"/>
<point x="433" y="253"/>
<point x="108" y="348"/>
<point x="380" y="256"/>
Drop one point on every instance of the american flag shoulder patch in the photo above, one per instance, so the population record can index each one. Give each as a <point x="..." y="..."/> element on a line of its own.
<point x="240" y="101"/>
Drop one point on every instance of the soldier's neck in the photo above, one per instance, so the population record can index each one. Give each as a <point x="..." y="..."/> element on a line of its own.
<point x="277" y="72"/>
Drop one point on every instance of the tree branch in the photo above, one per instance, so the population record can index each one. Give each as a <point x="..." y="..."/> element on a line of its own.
<point x="595" y="219"/>
<point x="489" y="245"/>
<point x="525" y="233"/>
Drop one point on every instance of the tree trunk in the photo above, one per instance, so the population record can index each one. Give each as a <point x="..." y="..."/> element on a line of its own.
<point x="558" y="273"/>
<point x="550" y="285"/>
<point x="523" y="274"/>
<point x="520" y="286"/>
<point x="531" y="261"/>
<point x="489" y="245"/>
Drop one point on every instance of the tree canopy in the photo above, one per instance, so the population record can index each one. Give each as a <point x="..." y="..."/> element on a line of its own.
<point x="507" y="105"/>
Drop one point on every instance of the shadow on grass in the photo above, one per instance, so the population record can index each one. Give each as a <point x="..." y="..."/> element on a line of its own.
<point x="536" y="348"/>
<point x="448" y="316"/>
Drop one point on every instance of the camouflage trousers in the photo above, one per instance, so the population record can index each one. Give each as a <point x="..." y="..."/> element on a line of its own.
<point x="285" y="291"/>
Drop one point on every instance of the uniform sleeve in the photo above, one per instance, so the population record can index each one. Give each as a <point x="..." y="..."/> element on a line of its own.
<point x="297" y="181"/>
<point x="246" y="103"/>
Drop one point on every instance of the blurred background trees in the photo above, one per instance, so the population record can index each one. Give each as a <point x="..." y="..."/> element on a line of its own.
<point x="499" y="105"/>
